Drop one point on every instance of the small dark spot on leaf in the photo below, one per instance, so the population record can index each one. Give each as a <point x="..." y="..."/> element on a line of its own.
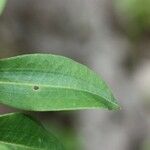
<point x="36" y="87"/>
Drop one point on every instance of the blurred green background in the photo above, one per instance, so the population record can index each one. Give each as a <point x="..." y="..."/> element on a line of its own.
<point x="113" y="39"/>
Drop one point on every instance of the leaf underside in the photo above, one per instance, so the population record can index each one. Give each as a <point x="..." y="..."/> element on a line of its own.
<point x="21" y="132"/>
<point x="45" y="82"/>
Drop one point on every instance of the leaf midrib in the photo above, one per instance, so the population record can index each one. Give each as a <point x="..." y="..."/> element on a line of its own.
<point x="45" y="71"/>
<point x="67" y="88"/>
<point x="51" y="72"/>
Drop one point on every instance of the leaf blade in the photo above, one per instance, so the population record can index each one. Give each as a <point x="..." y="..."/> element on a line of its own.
<point x="51" y="82"/>
<point x="20" y="132"/>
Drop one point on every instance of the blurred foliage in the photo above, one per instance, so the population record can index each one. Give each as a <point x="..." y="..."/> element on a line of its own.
<point x="137" y="16"/>
<point x="66" y="135"/>
<point x="2" y="5"/>
<point x="146" y="145"/>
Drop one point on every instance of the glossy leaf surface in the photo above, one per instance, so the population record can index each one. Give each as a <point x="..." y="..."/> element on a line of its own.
<point x="44" y="82"/>
<point x="20" y="132"/>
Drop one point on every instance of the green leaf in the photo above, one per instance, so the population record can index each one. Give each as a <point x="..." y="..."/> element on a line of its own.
<point x="21" y="132"/>
<point x="2" y="5"/>
<point x="44" y="82"/>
